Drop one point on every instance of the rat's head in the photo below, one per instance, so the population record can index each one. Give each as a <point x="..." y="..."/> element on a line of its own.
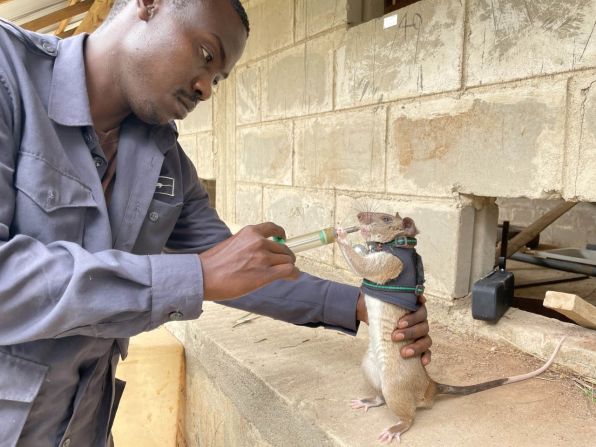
<point x="172" y="53"/>
<point x="382" y="227"/>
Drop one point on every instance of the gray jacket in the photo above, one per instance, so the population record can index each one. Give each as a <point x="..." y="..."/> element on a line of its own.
<point x="77" y="278"/>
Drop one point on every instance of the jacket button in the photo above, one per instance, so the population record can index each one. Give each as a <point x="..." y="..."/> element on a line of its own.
<point x="66" y="442"/>
<point x="176" y="316"/>
<point x="98" y="161"/>
<point x="48" y="47"/>
<point x="154" y="216"/>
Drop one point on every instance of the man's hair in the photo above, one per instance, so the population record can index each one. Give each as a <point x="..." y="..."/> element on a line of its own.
<point x="120" y="4"/>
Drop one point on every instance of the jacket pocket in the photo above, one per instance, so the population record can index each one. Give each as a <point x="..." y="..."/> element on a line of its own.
<point x="50" y="205"/>
<point x="159" y="223"/>
<point x="20" y="381"/>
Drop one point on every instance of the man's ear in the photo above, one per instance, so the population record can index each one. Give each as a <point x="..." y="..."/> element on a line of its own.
<point x="147" y="8"/>
<point x="409" y="227"/>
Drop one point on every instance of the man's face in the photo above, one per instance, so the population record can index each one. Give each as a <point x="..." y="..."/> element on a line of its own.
<point x="174" y="59"/>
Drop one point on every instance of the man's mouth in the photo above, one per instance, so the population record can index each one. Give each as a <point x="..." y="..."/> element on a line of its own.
<point x="187" y="103"/>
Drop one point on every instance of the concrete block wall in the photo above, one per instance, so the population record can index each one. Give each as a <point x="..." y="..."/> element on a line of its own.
<point x="462" y="102"/>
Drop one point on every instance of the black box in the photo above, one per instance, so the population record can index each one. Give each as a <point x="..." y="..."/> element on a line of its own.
<point x="492" y="295"/>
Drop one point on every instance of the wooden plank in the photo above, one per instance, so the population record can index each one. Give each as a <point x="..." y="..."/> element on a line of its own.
<point x="65" y="22"/>
<point x="65" y="34"/>
<point x="95" y="17"/>
<point x="534" y="229"/>
<point x="57" y="16"/>
<point x="573" y="307"/>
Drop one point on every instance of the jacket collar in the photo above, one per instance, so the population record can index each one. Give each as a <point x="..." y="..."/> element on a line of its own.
<point x="69" y="102"/>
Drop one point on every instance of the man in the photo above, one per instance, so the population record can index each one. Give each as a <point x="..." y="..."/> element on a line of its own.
<point x="82" y="230"/>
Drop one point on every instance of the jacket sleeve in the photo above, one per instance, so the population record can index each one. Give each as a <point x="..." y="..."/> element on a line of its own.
<point x="60" y="289"/>
<point x="309" y="301"/>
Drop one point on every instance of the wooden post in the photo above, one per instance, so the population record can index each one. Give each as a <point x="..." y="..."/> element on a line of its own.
<point x="534" y="229"/>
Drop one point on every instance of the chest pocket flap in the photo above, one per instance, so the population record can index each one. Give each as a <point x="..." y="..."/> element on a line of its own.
<point x="48" y="187"/>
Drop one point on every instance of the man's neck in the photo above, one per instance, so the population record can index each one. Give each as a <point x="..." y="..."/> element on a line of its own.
<point x="108" y="108"/>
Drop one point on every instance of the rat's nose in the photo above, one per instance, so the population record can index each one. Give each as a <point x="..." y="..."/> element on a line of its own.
<point x="365" y="218"/>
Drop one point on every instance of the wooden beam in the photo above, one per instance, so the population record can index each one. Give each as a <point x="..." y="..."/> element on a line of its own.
<point x="95" y="17"/>
<point x="65" y="22"/>
<point x="57" y="16"/>
<point x="534" y="229"/>
<point x="573" y="307"/>
<point x="65" y="34"/>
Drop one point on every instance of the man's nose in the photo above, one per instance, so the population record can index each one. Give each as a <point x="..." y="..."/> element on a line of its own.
<point x="203" y="86"/>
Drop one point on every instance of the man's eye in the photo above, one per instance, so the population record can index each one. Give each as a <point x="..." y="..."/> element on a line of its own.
<point x="207" y="55"/>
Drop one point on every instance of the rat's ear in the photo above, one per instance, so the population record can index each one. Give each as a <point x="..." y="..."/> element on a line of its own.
<point x="409" y="227"/>
<point x="397" y="215"/>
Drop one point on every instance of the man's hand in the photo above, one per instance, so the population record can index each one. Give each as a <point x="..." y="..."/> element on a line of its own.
<point x="412" y="326"/>
<point x="245" y="262"/>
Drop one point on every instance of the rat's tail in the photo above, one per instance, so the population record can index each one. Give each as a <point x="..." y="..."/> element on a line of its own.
<point x="471" y="389"/>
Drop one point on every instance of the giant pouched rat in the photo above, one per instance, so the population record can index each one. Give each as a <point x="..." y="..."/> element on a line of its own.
<point x="393" y="277"/>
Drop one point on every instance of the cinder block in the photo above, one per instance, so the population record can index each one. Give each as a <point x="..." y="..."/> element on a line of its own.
<point x="445" y="240"/>
<point x="315" y="16"/>
<point x="301" y="211"/>
<point x="486" y="218"/>
<point x="343" y="150"/>
<point x="512" y="39"/>
<point x="206" y="162"/>
<point x="189" y="144"/>
<point x="265" y="154"/>
<point x="505" y="142"/>
<point x="318" y="89"/>
<point x="272" y="27"/>
<point x="284" y="79"/>
<point x="421" y="55"/>
<point x="299" y="80"/>
<point x="580" y="172"/>
<point x="249" y="204"/>
<point x="200" y="119"/>
<point x="248" y="94"/>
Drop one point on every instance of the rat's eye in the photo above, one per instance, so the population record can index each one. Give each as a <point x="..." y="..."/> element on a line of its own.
<point x="206" y="55"/>
<point x="386" y="219"/>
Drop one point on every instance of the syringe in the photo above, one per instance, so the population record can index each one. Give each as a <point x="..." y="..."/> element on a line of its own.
<point x="314" y="239"/>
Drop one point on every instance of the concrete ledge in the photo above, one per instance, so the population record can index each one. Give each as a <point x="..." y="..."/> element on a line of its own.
<point x="528" y="332"/>
<point x="266" y="383"/>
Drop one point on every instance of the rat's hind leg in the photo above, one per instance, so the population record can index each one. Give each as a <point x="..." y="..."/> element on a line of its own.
<point x="402" y="401"/>
<point x="373" y="375"/>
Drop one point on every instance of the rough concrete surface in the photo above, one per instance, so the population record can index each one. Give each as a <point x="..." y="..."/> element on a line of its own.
<point x="292" y="386"/>
<point x="512" y="39"/>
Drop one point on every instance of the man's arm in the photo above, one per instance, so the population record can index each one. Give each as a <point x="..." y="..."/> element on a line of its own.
<point x="59" y="289"/>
